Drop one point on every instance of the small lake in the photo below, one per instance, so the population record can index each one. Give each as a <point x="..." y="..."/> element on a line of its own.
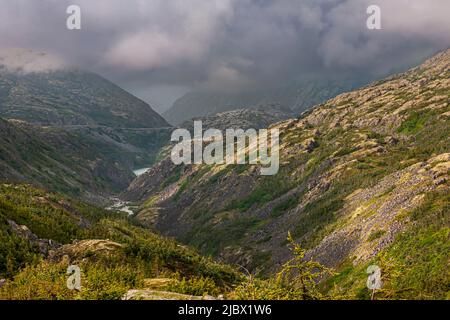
<point x="141" y="171"/>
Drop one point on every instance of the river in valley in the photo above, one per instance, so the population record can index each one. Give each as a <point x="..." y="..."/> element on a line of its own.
<point x="123" y="206"/>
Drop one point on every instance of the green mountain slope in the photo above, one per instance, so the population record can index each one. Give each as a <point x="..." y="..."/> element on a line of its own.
<point x="59" y="161"/>
<point x="42" y="233"/>
<point x="364" y="178"/>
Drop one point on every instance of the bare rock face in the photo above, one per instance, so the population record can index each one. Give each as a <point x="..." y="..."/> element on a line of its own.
<point x="22" y="231"/>
<point x="159" y="289"/>
<point x="158" y="283"/>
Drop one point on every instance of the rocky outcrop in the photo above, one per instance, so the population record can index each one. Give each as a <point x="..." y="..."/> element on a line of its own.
<point x="44" y="246"/>
<point x="85" y="249"/>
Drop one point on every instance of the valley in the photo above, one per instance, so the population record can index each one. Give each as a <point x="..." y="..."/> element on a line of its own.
<point x="87" y="179"/>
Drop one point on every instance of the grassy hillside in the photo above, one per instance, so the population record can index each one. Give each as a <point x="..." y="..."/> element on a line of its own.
<point x="42" y="234"/>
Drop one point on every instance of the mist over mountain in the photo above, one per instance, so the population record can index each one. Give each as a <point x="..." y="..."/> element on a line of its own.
<point x="228" y="44"/>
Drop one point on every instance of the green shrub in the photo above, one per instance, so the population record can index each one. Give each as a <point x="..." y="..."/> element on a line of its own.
<point x="297" y="280"/>
<point x="376" y="235"/>
<point x="413" y="123"/>
<point x="284" y="206"/>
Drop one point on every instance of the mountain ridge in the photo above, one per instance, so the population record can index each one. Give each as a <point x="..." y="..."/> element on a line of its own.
<point x="256" y="117"/>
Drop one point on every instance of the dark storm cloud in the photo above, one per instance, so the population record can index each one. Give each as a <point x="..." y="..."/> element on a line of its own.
<point x="224" y="44"/>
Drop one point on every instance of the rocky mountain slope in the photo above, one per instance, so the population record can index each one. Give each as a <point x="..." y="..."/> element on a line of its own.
<point x="364" y="178"/>
<point x="297" y="95"/>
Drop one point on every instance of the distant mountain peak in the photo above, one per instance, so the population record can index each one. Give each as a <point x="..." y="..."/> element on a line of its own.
<point x="255" y="117"/>
<point x="72" y="97"/>
<point x="298" y="95"/>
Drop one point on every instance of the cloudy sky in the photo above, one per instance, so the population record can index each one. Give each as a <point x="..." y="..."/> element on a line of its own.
<point x="160" y="49"/>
